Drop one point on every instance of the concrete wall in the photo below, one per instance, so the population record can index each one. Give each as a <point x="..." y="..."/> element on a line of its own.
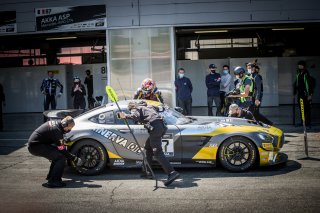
<point x="128" y="13"/>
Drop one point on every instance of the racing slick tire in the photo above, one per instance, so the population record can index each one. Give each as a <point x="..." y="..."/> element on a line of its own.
<point x="93" y="154"/>
<point x="237" y="154"/>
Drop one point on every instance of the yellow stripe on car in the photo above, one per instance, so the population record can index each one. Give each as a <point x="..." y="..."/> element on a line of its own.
<point x="113" y="156"/>
<point x="206" y="153"/>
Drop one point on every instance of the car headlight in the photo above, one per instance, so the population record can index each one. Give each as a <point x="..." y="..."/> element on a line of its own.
<point x="266" y="137"/>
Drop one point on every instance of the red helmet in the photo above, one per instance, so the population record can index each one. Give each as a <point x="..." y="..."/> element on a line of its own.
<point x="148" y="85"/>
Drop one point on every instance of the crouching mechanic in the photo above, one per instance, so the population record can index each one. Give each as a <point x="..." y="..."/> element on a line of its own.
<point x="47" y="141"/>
<point x="236" y="111"/>
<point x="156" y="127"/>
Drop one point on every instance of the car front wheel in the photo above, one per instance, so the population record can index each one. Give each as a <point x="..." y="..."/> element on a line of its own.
<point x="237" y="154"/>
<point x="93" y="154"/>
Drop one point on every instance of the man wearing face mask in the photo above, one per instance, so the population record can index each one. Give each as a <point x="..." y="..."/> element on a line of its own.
<point x="47" y="141"/>
<point x="184" y="89"/>
<point x="89" y="82"/>
<point x="246" y="87"/>
<point x="225" y="87"/>
<point x="213" y="80"/>
<point x="78" y="91"/>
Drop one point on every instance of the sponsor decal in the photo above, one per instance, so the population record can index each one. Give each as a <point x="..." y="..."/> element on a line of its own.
<point x="8" y="23"/>
<point x="118" y="162"/>
<point x="205" y="162"/>
<point x="119" y="140"/>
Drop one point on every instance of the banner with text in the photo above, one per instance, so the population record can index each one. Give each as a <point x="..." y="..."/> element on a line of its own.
<point x="71" y="18"/>
<point x="8" y="23"/>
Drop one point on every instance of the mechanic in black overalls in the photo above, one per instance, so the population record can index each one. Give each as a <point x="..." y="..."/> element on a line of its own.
<point x="156" y="127"/>
<point x="46" y="141"/>
<point x="89" y="82"/>
<point x="48" y="88"/>
<point x="236" y="111"/>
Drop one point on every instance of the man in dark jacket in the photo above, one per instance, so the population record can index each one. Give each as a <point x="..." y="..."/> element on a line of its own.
<point x="302" y="89"/>
<point x="184" y="89"/>
<point x="154" y="123"/>
<point x="47" y="141"/>
<point x="78" y="91"/>
<point x="213" y="93"/>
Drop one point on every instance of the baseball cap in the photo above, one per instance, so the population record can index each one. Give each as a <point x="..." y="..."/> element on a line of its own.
<point x="212" y="66"/>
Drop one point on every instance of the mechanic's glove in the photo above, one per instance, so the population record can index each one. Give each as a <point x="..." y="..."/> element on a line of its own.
<point x="121" y="115"/>
<point x="61" y="147"/>
<point x="78" y="162"/>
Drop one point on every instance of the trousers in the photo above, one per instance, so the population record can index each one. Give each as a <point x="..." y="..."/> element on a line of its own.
<point x="54" y="155"/>
<point x="153" y="147"/>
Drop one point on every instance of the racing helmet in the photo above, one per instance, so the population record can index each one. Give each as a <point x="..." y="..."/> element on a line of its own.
<point x="239" y="71"/>
<point x="147" y="86"/>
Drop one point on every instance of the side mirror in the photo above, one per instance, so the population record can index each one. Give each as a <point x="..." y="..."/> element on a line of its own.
<point x="178" y="109"/>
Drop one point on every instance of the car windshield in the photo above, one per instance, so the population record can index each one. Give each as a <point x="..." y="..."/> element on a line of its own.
<point x="173" y="117"/>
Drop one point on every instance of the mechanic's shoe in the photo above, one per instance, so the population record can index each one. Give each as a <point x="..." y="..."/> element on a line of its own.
<point x="48" y="178"/>
<point x="146" y="175"/>
<point x="171" y="177"/>
<point x="55" y="184"/>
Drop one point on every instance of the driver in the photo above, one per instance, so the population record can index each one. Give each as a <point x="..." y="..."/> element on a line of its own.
<point x="156" y="127"/>
<point x="148" y="91"/>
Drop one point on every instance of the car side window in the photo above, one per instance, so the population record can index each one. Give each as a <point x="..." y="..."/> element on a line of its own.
<point x="121" y="121"/>
<point x="104" y="118"/>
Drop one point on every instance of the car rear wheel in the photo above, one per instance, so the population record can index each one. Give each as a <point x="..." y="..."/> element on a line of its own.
<point x="94" y="156"/>
<point x="237" y="154"/>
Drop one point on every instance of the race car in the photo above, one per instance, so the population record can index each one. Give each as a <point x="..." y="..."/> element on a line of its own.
<point x="102" y="140"/>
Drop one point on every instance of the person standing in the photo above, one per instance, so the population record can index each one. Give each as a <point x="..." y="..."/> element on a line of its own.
<point x="89" y="82"/>
<point x="213" y="80"/>
<point x="246" y="87"/>
<point x="48" y="88"/>
<point x="46" y="141"/>
<point x="156" y="127"/>
<point x="184" y="89"/>
<point x="2" y="101"/>
<point x="302" y="89"/>
<point x="78" y="91"/>
<point x="225" y="87"/>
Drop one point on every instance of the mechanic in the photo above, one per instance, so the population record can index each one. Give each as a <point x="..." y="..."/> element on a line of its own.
<point x="258" y="94"/>
<point x="89" y="82"/>
<point x="246" y="89"/>
<point x="47" y="141"/>
<point x="148" y="91"/>
<point x="303" y="90"/>
<point x="156" y="127"/>
<point x="236" y="111"/>
<point x="48" y="88"/>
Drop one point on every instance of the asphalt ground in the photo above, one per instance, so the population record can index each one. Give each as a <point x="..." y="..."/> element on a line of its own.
<point x="290" y="187"/>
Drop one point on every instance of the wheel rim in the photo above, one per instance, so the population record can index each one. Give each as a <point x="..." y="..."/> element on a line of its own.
<point x="91" y="156"/>
<point x="237" y="153"/>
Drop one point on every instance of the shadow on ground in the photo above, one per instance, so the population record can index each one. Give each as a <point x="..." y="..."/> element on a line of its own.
<point x="188" y="178"/>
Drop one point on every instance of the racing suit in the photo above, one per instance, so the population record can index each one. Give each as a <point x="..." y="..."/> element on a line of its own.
<point x="154" y="96"/>
<point x="48" y="88"/>
<point x="148" y="115"/>
<point x="44" y="142"/>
